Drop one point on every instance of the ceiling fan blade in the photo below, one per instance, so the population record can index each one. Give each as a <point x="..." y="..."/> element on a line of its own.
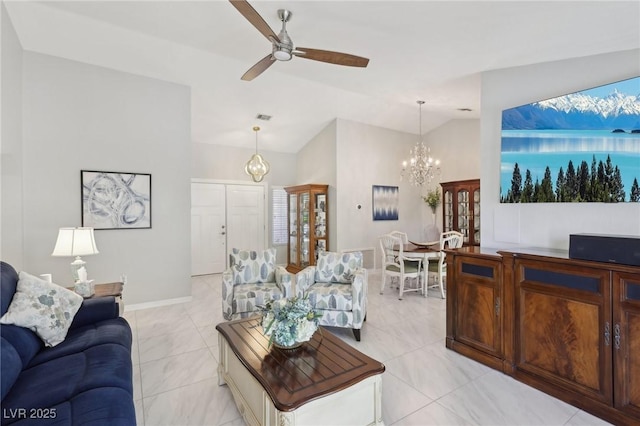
<point x="331" y="57"/>
<point x="258" y="68"/>
<point x="255" y="19"/>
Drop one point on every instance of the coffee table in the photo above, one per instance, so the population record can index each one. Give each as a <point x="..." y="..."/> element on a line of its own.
<point x="323" y="382"/>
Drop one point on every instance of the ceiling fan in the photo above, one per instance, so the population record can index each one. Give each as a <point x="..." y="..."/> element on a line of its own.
<point x="282" y="46"/>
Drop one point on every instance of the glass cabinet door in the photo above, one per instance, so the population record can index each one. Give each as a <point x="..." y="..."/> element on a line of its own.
<point x="320" y="223"/>
<point x="476" y="215"/>
<point x="293" y="228"/>
<point x="463" y="214"/>
<point x="304" y="229"/>
<point x="448" y="211"/>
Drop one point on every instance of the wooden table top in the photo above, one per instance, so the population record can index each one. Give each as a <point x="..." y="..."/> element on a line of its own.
<point x="322" y="366"/>
<point x="413" y="248"/>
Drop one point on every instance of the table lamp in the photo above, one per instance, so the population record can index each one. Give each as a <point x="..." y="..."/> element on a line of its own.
<point x="76" y="242"/>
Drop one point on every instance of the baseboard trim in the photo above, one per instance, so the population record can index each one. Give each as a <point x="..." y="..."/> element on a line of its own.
<point x="157" y="303"/>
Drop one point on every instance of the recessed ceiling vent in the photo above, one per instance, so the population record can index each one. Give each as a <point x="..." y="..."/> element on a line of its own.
<point x="465" y="109"/>
<point x="264" y="117"/>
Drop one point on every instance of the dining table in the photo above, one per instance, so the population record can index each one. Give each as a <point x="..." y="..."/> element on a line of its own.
<point x="429" y="251"/>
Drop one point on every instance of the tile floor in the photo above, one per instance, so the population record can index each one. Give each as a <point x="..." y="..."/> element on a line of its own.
<point x="175" y="352"/>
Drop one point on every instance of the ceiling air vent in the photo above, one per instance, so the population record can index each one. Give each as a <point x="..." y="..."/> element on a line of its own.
<point x="465" y="109"/>
<point x="264" y="117"/>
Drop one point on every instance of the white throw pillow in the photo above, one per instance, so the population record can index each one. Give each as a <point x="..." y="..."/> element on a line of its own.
<point x="43" y="307"/>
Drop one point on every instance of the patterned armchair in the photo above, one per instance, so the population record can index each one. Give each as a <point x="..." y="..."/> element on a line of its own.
<point x="252" y="279"/>
<point x="337" y="287"/>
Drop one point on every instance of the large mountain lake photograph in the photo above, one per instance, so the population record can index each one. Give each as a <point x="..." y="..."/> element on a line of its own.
<point x="580" y="147"/>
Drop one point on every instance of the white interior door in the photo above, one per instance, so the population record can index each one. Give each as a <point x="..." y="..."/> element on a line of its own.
<point x="246" y="217"/>
<point x="208" y="228"/>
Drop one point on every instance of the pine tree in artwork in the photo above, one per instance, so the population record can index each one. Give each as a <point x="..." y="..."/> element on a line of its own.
<point x="583" y="181"/>
<point x="609" y="185"/>
<point x="635" y="191"/>
<point x="516" y="185"/>
<point x="572" y="182"/>
<point x="527" y="189"/>
<point x="561" y="190"/>
<point x="594" y="186"/>
<point x="536" y="193"/>
<point x="546" y="188"/>
<point x="602" y="187"/>
<point x="602" y="182"/>
<point x="617" y="187"/>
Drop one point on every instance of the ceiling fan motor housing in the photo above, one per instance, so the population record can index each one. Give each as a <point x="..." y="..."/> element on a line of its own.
<point x="282" y="50"/>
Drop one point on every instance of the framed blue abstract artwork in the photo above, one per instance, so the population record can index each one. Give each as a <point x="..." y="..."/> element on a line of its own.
<point x="580" y="147"/>
<point x="385" y="202"/>
<point x="115" y="200"/>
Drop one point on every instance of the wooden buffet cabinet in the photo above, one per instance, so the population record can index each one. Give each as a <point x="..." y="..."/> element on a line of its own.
<point x="568" y="327"/>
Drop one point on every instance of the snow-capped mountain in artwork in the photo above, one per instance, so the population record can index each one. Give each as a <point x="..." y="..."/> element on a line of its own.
<point x="578" y="111"/>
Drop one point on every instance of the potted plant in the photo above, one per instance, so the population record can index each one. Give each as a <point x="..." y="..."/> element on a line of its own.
<point x="432" y="199"/>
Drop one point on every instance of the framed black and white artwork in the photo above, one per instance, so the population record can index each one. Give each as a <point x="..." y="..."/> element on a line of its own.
<point x="115" y="200"/>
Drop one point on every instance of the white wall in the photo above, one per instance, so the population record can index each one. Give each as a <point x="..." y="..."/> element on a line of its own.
<point x="11" y="248"/>
<point x="368" y="156"/>
<point x="316" y="163"/>
<point x="78" y="116"/>
<point x="225" y="162"/>
<point x="546" y="224"/>
<point x="457" y="145"/>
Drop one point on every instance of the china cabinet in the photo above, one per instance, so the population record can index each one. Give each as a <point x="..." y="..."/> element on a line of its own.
<point x="307" y="226"/>
<point x="461" y="209"/>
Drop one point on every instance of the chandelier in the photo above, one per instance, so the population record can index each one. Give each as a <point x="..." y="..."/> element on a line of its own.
<point x="257" y="166"/>
<point x="421" y="167"/>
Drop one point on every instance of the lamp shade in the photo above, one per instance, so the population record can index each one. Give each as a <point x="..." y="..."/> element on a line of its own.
<point x="75" y="242"/>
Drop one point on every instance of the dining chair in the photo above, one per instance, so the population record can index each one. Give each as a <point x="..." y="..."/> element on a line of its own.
<point x="402" y="235"/>
<point x="396" y="264"/>
<point x="448" y="240"/>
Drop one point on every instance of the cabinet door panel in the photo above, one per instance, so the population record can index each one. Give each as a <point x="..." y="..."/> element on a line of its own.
<point x="562" y="317"/>
<point x="560" y="336"/>
<point x="626" y="342"/>
<point x="478" y="305"/>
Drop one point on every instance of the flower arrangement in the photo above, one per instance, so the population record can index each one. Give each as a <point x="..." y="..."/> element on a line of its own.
<point x="289" y="322"/>
<point x="432" y="199"/>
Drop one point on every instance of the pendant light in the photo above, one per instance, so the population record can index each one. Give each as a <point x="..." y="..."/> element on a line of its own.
<point x="257" y="167"/>
<point x="421" y="167"/>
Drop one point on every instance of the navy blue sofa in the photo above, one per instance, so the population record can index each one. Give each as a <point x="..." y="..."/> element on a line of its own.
<point x="85" y="380"/>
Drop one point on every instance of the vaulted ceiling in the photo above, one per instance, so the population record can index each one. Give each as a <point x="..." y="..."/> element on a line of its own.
<point x="430" y="50"/>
